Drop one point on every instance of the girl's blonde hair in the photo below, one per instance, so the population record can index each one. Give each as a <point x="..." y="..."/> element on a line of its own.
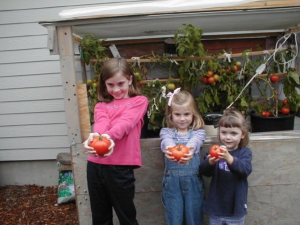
<point x="109" y="69"/>
<point x="184" y="98"/>
<point x="234" y="118"/>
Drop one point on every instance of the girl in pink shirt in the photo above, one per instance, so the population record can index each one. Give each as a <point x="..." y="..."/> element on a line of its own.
<point x="119" y="117"/>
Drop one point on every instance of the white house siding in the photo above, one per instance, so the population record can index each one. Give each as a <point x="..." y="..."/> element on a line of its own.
<point x="33" y="126"/>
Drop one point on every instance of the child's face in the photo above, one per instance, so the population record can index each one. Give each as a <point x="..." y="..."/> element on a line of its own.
<point x="181" y="117"/>
<point x="118" y="85"/>
<point x="231" y="137"/>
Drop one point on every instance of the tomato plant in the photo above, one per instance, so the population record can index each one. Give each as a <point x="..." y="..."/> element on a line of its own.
<point x="179" y="151"/>
<point x="274" y="78"/>
<point x="214" y="150"/>
<point x="285" y="110"/>
<point x="100" y="145"/>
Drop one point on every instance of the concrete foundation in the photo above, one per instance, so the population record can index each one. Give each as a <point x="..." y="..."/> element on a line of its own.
<point x="43" y="173"/>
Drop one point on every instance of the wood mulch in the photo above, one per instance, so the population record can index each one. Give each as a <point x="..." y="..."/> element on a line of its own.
<point x="34" y="205"/>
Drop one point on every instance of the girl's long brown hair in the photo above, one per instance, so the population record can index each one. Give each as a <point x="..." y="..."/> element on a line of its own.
<point x="110" y="68"/>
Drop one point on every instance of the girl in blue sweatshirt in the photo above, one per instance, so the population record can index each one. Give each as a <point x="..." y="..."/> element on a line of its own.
<point x="227" y="198"/>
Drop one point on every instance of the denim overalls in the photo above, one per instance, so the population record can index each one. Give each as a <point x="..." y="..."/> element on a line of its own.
<point x="182" y="191"/>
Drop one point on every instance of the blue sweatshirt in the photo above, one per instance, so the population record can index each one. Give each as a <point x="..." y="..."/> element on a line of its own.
<point x="229" y="186"/>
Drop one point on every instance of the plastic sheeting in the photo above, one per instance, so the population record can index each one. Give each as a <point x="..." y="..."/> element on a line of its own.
<point x="151" y="7"/>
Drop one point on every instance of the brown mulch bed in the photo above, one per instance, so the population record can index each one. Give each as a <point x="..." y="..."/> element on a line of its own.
<point x="34" y="205"/>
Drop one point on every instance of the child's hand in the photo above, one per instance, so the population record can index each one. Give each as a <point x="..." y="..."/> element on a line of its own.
<point x="226" y="155"/>
<point x="169" y="155"/>
<point x="111" y="147"/>
<point x="90" y="150"/>
<point x="212" y="160"/>
<point x="187" y="157"/>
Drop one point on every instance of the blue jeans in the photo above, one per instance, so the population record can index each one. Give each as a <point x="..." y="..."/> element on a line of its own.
<point x="182" y="193"/>
<point x="111" y="187"/>
<point x="218" y="220"/>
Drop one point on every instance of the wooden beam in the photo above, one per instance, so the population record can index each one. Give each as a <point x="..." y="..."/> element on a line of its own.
<point x="178" y="59"/>
<point x="85" y="122"/>
<point x="164" y="80"/>
<point x="69" y="83"/>
<point x="204" y="38"/>
<point x="295" y="29"/>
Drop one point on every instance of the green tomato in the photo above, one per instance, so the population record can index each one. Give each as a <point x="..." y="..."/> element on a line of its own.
<point x="171" y="86"/>
<point x="137" y="76"/>
<point x="89" y="82"/>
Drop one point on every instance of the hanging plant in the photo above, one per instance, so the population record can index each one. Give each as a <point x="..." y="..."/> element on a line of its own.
<point x="188" y="44"/>
<point x="92" y="48"/>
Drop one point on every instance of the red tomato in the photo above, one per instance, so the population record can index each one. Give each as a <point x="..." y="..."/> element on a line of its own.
<point x="211" y="80"/>
<point x="274" y="78"/>
<point x="96" y="138"/>
<point x="214" y="150"/>
<point x="204" y="80"/>
<point x="210" y="73"/>
<point x="285" y="101"/>
<point x="234" y="69"/>
<point x="263" y="113"/>
<point x="178" y="151"/>
<point x="100" y="144"/>
<point x="285" y="110"/>
<point x="268" y="114"/>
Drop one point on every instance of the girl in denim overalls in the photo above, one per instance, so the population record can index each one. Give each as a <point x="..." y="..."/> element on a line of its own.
<point x="182" y="191"/>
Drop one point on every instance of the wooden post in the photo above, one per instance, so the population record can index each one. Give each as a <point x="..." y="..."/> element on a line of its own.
<point x="77" y="116"/>
<point x="85" y="122"/>
<point x="69" y="83"/>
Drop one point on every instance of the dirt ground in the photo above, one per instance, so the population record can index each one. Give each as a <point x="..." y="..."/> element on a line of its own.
<point x="34" y="205"/>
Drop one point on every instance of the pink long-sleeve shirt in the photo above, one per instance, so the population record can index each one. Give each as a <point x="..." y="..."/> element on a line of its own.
<point x="122" y="120"/>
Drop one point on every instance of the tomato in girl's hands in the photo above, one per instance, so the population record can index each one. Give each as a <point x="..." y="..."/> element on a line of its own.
<point x="100" y="145"/>
<point x="179" y="151"/>
<point x="214" y="150"/>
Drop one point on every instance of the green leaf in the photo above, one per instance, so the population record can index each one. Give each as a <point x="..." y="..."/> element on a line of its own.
<point x="86" y="58"/>
<point x="244" y="103"/>
<point x="294" y="76"/>
<point x="208" y="99"/>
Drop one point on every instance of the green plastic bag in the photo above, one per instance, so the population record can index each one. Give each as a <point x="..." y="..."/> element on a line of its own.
<point x="66" y="190"/>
